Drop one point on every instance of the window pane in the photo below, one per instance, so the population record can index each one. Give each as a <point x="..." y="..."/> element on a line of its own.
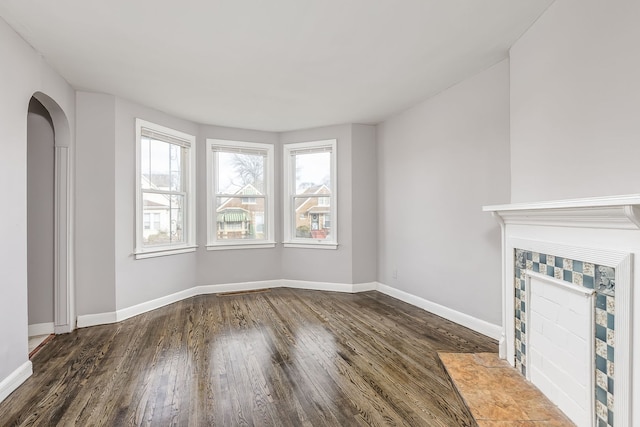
<point x="239" y="173"/>
<point x="177" y="219"/>
<point x="238" y="220"/>
<point x="178" y="156"/>
<point x="145" y="163"/>
<point x="313" y="220"/>
<point x="165" y="215"/>
<point x="313" y="171"/>
<point x="155" y="165"/>
<point x="162" y="165"/>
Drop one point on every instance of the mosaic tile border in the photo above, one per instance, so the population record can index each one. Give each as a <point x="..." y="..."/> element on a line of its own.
<point x="592" y="276"/>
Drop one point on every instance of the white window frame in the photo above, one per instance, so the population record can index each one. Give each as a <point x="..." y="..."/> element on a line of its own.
<point x="289" y="179"/>
<point x="189" y="245"/>
<point x="213" y="243"/>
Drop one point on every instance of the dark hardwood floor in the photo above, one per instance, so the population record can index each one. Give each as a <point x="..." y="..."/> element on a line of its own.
<point x="279" y="358"/>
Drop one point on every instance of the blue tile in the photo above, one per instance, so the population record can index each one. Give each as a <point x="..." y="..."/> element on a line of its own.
<point x="559" y="261"/>
<point x="523" y="306"/>
<point x="567" y="275"/>
<point x="536" y="266"/>
<point x="610" y="351"/>
<point x="523" y="328"/>
<point x="601" y="364"/>
<point x="610" y="417"/>
<point x="602" y="423"/>
<point x="543" y="258"/>
<point x="518" y="354"/>
<point x="523" y="285"/>
<point x="601" y="333"/>
<point x="518" y="293"/>
<point x="518" y="334"/>
<point x="611" y="322"/>
<point x="587" y="282"/>
<point x="610" y="385"/>
<point x="577" y="266"/>
<point x="529" y="255"/>
<point x="601" y="395"/>
<point x="517" y="271"/>
<point x="550" y="270"/>
<point x="601" y="302"/>
<point x="524" y="370"/>
<point x="518" y="314"/>
<point x="523" y="347"/>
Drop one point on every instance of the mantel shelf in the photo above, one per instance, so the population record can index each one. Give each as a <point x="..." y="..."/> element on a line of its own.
<point x="616" y="212"/>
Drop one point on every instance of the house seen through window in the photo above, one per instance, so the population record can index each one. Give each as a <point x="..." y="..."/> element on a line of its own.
<point x="240" y="206"/>
<point x="165" y="206"/>
<point x="310" y="182"/>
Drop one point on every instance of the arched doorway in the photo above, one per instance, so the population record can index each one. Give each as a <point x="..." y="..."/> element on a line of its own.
<point x="51" y="292"/>
<point x="40" y="223"/>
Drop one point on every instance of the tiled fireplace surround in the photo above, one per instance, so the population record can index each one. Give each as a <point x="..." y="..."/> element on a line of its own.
<point x="591" y="244"/>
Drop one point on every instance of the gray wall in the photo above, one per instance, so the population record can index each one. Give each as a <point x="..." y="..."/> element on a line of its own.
<point x="324" y="265"/>
<point x="95" y="209"/>
<point x="40" y="179"/>
<point x="364" y="202"/>
<point x="575" y="97"/>
<point x="142" y="280"/>
<point x="108" y="276"/>
<point x="26" y="75"/>
<point x="106" y="131"/>
<point x="230" y="266"/>
<point x="355" y="259"/>
<point x="439" y="163"/>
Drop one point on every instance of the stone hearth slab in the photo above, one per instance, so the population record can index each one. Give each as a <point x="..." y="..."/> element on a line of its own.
<point x="497" y="395"/>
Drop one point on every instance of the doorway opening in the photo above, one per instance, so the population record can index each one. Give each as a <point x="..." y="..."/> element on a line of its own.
<point x="51" y="297"/>
<point x="40" y="224"/>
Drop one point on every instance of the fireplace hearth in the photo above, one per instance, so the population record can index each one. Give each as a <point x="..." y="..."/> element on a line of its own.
<point x="567" y="302"/>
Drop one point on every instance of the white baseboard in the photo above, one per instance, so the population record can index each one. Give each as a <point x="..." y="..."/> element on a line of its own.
<point x="41" y="329"/>
<point x="328" y="286"/>
<point x="96" y="319"/>
<point x="146" y="306"/>
<point x="478" y="325"/>
<point x="481" y="326"/>
<point x="134" y="310"/>
<point x="13" y="381"/>
<point x="237" y="287"/>
<point x="365" y="287"/>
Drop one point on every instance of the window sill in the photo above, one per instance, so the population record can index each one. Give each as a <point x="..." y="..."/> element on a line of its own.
<point x="231" y="246"/>
<point x="152" y="253"/>
<point x="311" y="245"/>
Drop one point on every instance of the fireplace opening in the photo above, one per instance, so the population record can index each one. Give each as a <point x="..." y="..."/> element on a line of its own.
<point x="560" y="344"/>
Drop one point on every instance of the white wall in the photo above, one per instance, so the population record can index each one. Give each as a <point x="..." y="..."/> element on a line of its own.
<point x="40" y="175"/>
<point x="439" y="163"/>
<point x="24" y="72"/>
<point x="575" y="97"/>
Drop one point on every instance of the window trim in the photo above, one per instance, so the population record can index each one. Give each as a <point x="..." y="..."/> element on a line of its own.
<point x="213" y="244"/>
<point x="189" y="245"/>
<point x="290" y="241"/>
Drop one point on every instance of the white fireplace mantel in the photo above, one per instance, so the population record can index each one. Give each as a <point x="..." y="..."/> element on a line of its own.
<point x="599" y="230"/>
<point x="617" y="212"/>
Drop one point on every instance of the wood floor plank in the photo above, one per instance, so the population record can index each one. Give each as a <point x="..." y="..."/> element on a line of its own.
<point x="281" y="358"/>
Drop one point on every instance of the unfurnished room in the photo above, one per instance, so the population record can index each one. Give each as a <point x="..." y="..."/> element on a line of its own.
<point x="320" y="213"/>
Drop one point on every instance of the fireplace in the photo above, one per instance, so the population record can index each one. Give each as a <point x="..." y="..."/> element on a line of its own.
<point x="567" y="302"/>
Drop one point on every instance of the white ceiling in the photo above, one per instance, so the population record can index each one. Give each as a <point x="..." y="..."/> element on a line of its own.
<point x="271" y="64"/>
